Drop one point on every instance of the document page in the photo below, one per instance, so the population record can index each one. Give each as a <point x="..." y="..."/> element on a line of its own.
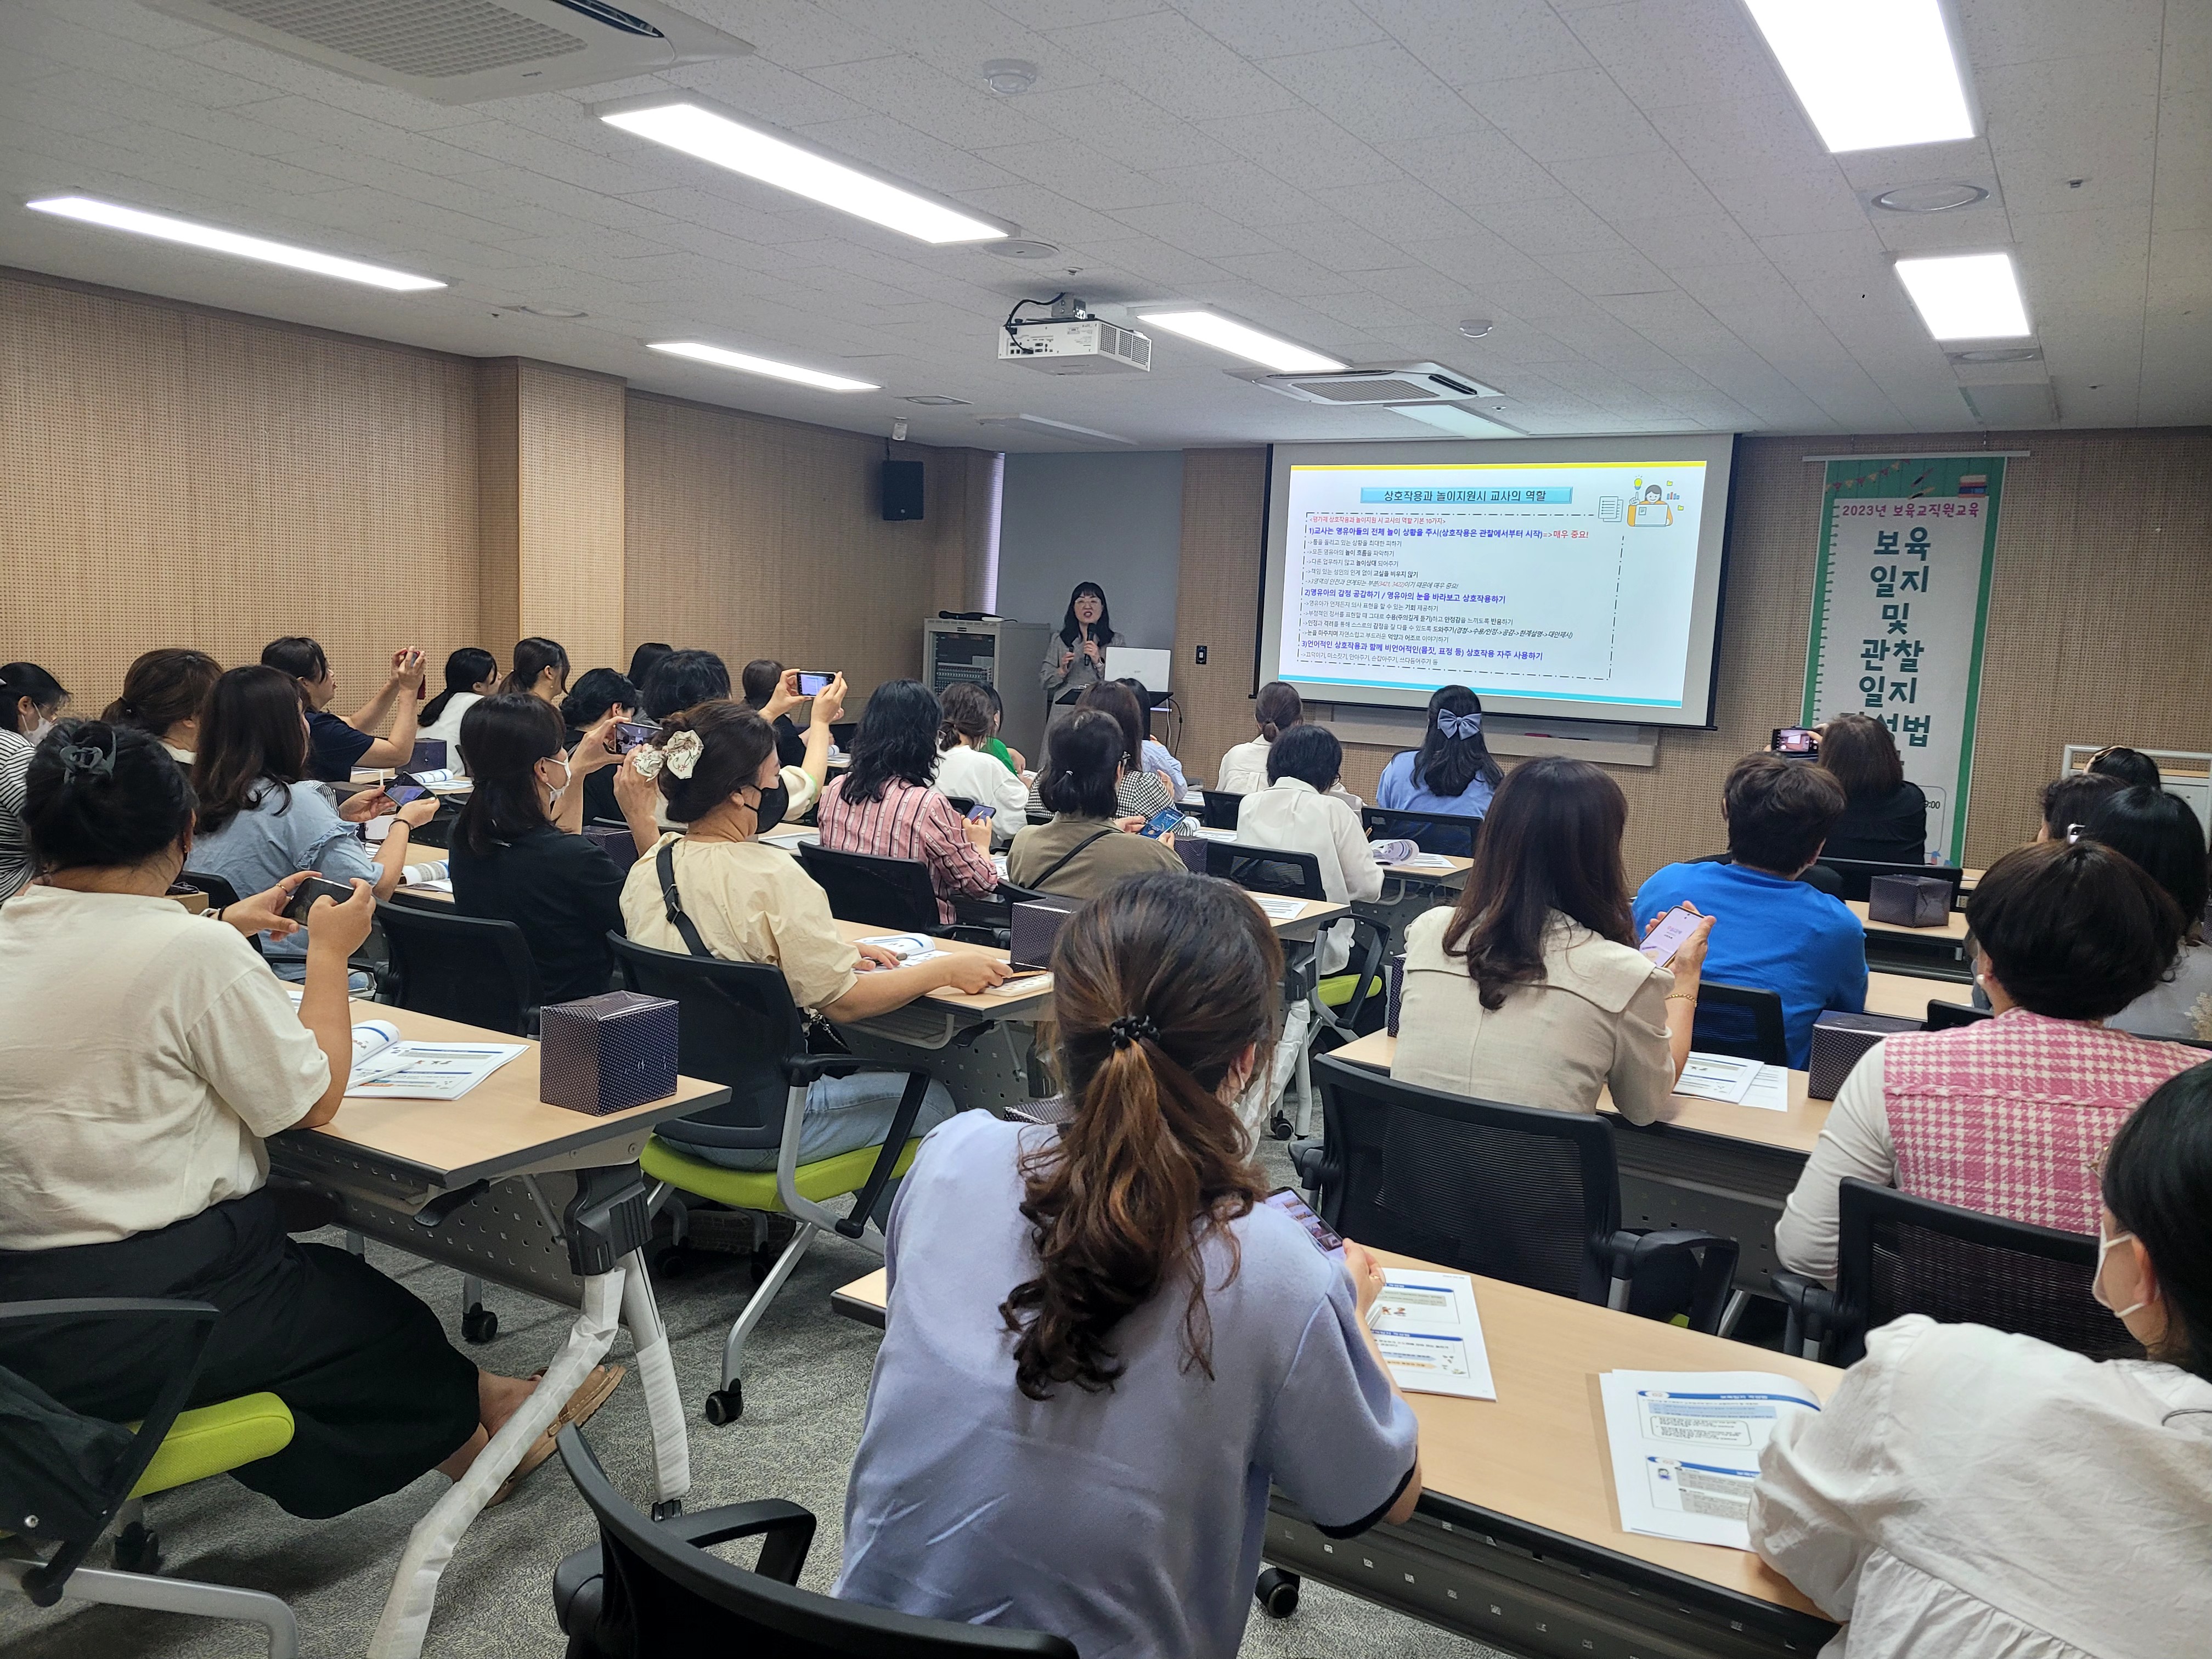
<point x="1718" y="1077"/>
<point x="1429" y="1335"/>
<point x="1685" y="1445"/>
<point x="399" y="1070"/>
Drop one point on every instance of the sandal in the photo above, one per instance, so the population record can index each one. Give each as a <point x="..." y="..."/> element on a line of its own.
<point x="591" y="1394"/>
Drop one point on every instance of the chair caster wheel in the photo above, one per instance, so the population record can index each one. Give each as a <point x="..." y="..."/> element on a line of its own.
<point x="727" y="1406"/>
<point x="479" y="1324"/>
<point x="1280" y="1127"/>
<point x="673" y="1262"/>
<point x="138" y="1549"/>
<point x="1276" y="1593"/>
<point x="668" y="1509"/>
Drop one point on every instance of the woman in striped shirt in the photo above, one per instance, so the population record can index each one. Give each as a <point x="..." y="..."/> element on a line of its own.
<point x="883" y="805"/>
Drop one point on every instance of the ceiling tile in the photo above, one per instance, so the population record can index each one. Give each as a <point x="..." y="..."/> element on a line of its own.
<point x="1467" y="42"/>
<point x="1561" y="225"/>
<point x="1750" y="136"/>
<point x="1785" y="204"/>
<point x="1472" y="168"/>
<point x="1123" y="126"/>
<point x="1397" y="208"/>
<point x="1640" y="186"/>
<point x="1281" y="26"/>
<point x="2003" y="31"/>
<point x="1292" y="275"/>
<point x="1560" y="117"/>
<point x="1694" y="239"/>
<point x="1182" y="67"/>
<point x="1340" y="245"/>
<point x="2093" y="119"/>
<point x="1477" y="257"/>
<point x="1243" y="190"/>
<point x="1304" y="146"/>
<point x="1078" y="172"/>
<point x="1195" y="229"/>
<point x="1376" y="92"/>
<point x="1611" y="271"/>
<point x="1727" y="61"/>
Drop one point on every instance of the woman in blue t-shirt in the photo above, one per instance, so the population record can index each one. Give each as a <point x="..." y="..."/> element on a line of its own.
<point x="1452" y="772"/>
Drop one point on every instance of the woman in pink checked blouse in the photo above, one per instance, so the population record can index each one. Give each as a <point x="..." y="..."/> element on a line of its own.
<point x="884" y="805"/>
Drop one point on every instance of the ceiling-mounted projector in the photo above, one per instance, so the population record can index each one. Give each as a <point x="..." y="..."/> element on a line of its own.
<point x="1374" y="384"/>
<point x="1071" y="341"/>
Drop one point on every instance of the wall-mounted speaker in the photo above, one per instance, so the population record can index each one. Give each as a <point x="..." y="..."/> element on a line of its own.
<point x="902" y="489"/>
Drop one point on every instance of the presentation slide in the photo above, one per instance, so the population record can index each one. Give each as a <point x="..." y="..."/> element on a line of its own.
<point x="1575" y="578"/>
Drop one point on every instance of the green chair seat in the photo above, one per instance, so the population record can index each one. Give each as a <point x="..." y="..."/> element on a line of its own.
<point x="1340" y="988"/>
<point x="215" y="1439"/>
<point x="755" y="1189"/>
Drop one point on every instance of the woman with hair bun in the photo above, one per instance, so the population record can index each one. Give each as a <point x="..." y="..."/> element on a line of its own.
<point x="164" y="694"/>
<point x="1104" y="1348"/>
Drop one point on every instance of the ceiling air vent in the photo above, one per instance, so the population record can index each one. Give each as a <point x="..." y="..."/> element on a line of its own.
<point x="462" y="51"/>
<point x="1379" y="384"/>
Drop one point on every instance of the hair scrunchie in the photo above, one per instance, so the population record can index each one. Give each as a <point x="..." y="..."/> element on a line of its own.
<point x="1133" y="1029"/>
<point x="85" y="760"/>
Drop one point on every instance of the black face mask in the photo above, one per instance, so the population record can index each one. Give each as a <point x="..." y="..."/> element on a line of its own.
<point x="774" y="803"/>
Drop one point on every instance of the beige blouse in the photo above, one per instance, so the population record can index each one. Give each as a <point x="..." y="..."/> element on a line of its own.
<point x="1597" y="1018"/>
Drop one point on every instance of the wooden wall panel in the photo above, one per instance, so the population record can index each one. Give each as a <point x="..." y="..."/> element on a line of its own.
<point x="754" y="537"/>
<point x="571" y="434"/>
<point x="174" y="476"/>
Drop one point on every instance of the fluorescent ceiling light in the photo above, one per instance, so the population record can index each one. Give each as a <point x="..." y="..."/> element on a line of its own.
<point x="768" y="365"/>
<point x="1450" y="418"/>
<point x="1871" y="74"/>
<point x="1059" y="428"/>
<point x="91" y="210"/>
<point x="1966" y="296"/>
<point x="774" y="159"/>
<point x="1243" y="340"/>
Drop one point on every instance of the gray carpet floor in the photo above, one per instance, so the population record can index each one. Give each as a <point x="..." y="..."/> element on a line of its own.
<point x="805" y="1388"/>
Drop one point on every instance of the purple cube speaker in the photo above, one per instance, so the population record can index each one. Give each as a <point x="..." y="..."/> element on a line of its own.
<point x="1396" y="969"/>
<point x="1909" y="901"/>
<point x="1192" y="850"/>
<point x="1840" y="1041"/>
<point x="1036" y="924"/>
<point x="615" y="842"/>
<point x="607" y="1054"/>
<point x="428" y="755"/>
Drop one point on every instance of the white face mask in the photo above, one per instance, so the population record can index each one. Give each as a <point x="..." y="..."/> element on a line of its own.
<point x="2097" y="1282"/>
<point x="40" y="730"/>
<point x="568" y="777"/>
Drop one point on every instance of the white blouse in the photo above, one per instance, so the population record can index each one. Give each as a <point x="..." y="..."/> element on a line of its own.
<point x="1977" y="1495"/>
<point x="980" y="777"/>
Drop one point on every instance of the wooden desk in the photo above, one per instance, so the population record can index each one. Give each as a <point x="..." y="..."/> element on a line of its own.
<point x="1952" y="927"/>
<point x="1517" y="1529"/>
<point x="545" y="1201"/>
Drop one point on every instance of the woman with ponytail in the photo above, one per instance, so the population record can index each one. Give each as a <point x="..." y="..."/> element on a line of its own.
<point x="1103" y="1347"/>
<point x="163" y="694"/>
<point x="541" y="669"/>
<point x="965" y="765"/>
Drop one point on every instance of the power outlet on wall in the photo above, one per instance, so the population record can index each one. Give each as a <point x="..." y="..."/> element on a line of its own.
<point x="1201" y="656"/>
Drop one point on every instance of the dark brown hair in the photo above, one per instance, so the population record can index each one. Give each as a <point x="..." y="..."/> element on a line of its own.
<point x="2074" y="932"/>
<point x="504" y="737"/>
<point x="162" y="687"/>
<point x="1117" y="700"/>
<point x="735" y="740"/>
<point x="757" y="681"/>
<point x="2073" y="799"/>
<point x="1550" y="841"/>
<point x="1278" y="708"/>
<point x="1859" y="750"/>
<point x="967" y="714"/>
<point x="1163" y="980"/>
<point x="1779" y="812"/>
<point x="532" y="657"/>
<point x="2158" y="1185"/>
<point x="1078" y="765"/>
<point x="252" y="742"/>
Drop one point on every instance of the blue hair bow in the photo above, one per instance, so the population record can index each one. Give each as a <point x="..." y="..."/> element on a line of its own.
<point x="1459" y="726"/>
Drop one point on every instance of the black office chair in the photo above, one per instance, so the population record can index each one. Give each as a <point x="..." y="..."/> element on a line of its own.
<point x="962" y="804"/>
<point x="1751" y="1029"/>
<point x="990" y="920"/>
<point x="1510" y="1192"/>
<point x="736" y="1024"/>
<point x="650" y="1586"/>
<point x="894" y="893"/>
<point x="1855" y="875"/>
<point x="468" y="969"/>
<point x="1814" y="876"/>
<point x="1900" y="1254"/>
<point x="1450" y="834"/>
<point x="1944" y="1016"/>
<point x="1220" y="808"/>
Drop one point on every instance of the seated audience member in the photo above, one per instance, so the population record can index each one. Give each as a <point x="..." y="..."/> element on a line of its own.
<point x="714" y="767"/>
<point x="647" y="658"/>
<point x="2132" y="767"/>
<point x="966" y="766"/>
<point x="1530" y="991"/>
<point x="540" y="670"/>
<point x="1087" y="846"/>
<point x="1156" y="756"/>
<point x="761" y="680"/>
<point x="517" y="855"/>
<point x="260" y="817"/>
<point x="685" y="679"/>
<point x="1243" y="768"/>
<point x="1114" y="1295"/>
<point x="31" y="700"/>
<point x="1885" y="819"/>
<point x="2159" y="832"/>
<point x="2007" y="1115"/>
<point x="145" y="1056"/>
<point x="1139" y="794"/>
<point x="602" y="697"/>
<point x="1927" y="1504"/>
<point x="2067" y="802"/>
<point x="1451" y="772"/>
<point x="1012" y="759"/>
<point x="882" y="805"/>
<point x="682" y="680"/>
<point x="163" y="694"/>
<point x="336" y="746"/>
<point x="1772" y="932"/>
<point x="472" y="674"/>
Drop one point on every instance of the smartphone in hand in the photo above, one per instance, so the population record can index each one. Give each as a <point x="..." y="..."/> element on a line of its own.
<point x="1166" y="821"/>
<point x="1799" y="742"/>
<point x="630" y="733"/>
<point x="980" y="812"/>
<point x="812" y="684"/>
<point x="1664" y="941"/>
<point x="1326" y="1238"/>
<point x="305" y="894"/>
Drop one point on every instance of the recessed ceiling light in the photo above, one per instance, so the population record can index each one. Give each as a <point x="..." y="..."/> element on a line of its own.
<point x="1021" y="247"/>
<point x="1461" y="422"/>
<point x="785" y="162"/>
<point x="113" y="216"/>
<point x="747" y="363"/>
<point x="1997" y="355"/>
<point x="1476" y="328"/>
<point x="1930" y="199"/>
<point x="1966" y="296"/>
<point x="1243" y="340"/>
<point x="1871" y="74"/>
<point x="939" y="402"/>
<point x="1009" y="76"/>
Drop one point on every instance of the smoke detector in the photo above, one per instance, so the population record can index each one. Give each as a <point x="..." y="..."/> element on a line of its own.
<point x="1009" y="76"/>
<point x="1382" y="384"/>
<point x="463" y="51"/>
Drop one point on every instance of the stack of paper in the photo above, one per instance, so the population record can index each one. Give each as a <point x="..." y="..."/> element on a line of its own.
<point x="1429" y="1335"/>
<point x="1685" y="1447"/>
<point x="1279" y="909"/>
<point x="1735" y="1081"/>
<point x="385" y="1067"/>
<point x="907" y="947"/>
<point x="1425" y="861"/>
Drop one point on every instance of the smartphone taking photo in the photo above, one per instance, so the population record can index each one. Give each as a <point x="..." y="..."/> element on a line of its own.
<point x="630" y="733"/>
<point x="1799" y="742"/>
<point x="305" y="894"/>
<point x="813" y="686"/>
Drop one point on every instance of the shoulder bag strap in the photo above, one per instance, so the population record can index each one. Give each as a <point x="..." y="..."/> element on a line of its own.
<point x="664" y="864"/>
<point x="1036" y="884"/>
